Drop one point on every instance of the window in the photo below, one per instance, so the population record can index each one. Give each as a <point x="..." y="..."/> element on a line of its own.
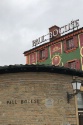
<point x="70" y="44"/>
<point x="80" y="107"/>
<point x="42" y="54"/>
<point x="80" y="100"/>
<point x="80" y="117"/>
<point x="32" y="58"/>
<point x="74" y="64"/>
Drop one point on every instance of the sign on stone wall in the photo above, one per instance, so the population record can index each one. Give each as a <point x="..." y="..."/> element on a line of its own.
<point x="49" y="102"/>
<point x="23" y="101"/>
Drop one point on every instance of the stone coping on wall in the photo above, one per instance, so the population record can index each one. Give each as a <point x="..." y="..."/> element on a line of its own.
<point x="39" y="68"/>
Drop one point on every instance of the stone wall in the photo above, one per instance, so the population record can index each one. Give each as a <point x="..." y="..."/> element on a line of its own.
<point x="32" y="98"/>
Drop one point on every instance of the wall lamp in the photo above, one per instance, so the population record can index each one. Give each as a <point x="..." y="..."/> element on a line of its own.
<point x="76" y="87"/>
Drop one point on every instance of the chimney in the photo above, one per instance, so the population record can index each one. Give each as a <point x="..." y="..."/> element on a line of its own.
<point x="54" y="32"/>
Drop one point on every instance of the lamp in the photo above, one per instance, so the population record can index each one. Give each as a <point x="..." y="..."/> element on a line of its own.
<point x="76" y="87"/>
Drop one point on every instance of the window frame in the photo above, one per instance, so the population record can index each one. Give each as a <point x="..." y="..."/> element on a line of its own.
<point x="73" y="46"/>
<point x="70" y="44"/>
<point x="72" y="64"/>
<point x="77" y="65"/>
<point x="42" y="54"/>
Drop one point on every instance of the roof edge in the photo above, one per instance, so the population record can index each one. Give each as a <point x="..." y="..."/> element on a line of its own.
<point x="40" y="68"/>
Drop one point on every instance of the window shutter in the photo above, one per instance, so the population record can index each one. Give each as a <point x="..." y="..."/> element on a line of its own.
<point x="75" y="39"/>
<point x="81" y="39"/>
<point x="78" y="64"/>
<point x="66" y="65"/>
<point x="38" y="56"/>
<point x="46" y="53"/>
<point x="64" y="45"/>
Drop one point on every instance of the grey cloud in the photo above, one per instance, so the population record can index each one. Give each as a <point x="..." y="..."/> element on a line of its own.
<point x="21" y="21"/>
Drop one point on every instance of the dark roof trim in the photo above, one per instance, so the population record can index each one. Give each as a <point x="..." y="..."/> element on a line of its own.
<point x="39" y="68"/>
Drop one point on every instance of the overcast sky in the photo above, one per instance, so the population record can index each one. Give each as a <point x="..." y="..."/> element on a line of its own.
<point x="22" y="21"/>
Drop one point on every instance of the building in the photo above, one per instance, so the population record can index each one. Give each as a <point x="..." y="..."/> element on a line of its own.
<point x="61" y="50"/>
<point x="40" y="92"/>
<point x="37" y="95"/>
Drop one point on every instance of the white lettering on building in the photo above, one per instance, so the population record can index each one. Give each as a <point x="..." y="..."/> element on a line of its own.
<point x="71" y="26"/>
